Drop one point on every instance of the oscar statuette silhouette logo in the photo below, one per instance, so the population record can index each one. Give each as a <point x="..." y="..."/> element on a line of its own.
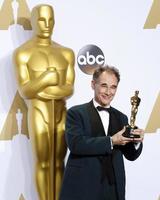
<point x="15" y="12"/>
<point x="153" y="122"/>
<point x="21" y="197"/>
<point x="10" y="127"/>
<point x="152" y="22"/>
<point x="153" y="18"/>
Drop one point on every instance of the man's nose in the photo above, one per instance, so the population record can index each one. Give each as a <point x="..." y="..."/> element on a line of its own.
<point x="108" y="90"/>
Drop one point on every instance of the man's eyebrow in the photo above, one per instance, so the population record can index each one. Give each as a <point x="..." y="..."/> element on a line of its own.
<point x="105" y="84"/>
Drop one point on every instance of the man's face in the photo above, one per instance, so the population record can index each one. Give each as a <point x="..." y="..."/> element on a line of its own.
<point x="44" y="22"/>
<point x="105" y="88"/>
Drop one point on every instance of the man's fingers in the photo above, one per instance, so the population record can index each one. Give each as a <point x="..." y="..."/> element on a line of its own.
<point x="139" y="132"/>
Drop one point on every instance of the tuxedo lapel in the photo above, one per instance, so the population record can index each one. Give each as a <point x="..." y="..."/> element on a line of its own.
<point x="98" y="130"/>
<point x="95" y="121"/>
<point x="114" y="123"/>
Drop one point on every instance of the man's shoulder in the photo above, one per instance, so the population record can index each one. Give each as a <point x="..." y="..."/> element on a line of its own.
<point x="118" y="112"/>
<point x="120" y="116"/>
<point x="79" y="108"/>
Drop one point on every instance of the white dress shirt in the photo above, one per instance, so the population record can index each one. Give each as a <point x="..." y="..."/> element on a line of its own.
<point x="103" y="115"/>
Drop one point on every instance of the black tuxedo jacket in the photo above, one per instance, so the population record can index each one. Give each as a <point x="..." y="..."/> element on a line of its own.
<point x="87" y="143"/>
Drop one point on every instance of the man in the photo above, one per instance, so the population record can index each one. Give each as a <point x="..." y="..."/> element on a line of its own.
<point x="95" y="167"/>
<point x="45" y="76"/>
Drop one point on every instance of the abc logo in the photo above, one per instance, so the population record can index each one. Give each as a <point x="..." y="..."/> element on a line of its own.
<point x="89" y="58"/>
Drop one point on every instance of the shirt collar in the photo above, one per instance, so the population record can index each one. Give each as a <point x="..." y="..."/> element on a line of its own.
<point x="95" y="103"/>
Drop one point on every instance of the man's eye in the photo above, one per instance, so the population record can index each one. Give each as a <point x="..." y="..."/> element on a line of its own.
<point x="103" y="85"/>
<point x="114" y="87"/>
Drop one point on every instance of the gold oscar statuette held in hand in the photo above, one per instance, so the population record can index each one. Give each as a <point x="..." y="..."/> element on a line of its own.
<point x="135" y="101"/>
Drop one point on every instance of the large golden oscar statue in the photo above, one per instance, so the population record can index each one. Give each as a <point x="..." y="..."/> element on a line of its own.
<point x="45" y="76"/>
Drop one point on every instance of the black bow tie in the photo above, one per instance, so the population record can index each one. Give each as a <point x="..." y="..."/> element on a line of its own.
<point x="100" y="108"/>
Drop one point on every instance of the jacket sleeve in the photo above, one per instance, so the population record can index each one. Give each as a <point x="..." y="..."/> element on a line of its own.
<point x="78" y="140"/>
<point x="130" y="152"/>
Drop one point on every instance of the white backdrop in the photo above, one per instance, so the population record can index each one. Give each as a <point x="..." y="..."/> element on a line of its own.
<point x="117" y="27"/>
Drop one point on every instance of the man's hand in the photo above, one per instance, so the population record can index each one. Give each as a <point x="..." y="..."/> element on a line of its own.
<point x="119" y="139"/>
<point x="139" y="132"/>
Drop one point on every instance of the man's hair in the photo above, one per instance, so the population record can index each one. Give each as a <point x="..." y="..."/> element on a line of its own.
<point x="106" y="68"/>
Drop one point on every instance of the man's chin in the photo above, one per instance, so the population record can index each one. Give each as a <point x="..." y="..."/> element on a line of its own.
<point x="105" y="103"/>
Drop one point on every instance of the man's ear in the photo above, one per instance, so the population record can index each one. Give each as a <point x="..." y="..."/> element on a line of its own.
<point x="93" y="84"/>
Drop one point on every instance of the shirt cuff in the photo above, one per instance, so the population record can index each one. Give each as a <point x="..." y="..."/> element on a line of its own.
<point x="111" y="143"/>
